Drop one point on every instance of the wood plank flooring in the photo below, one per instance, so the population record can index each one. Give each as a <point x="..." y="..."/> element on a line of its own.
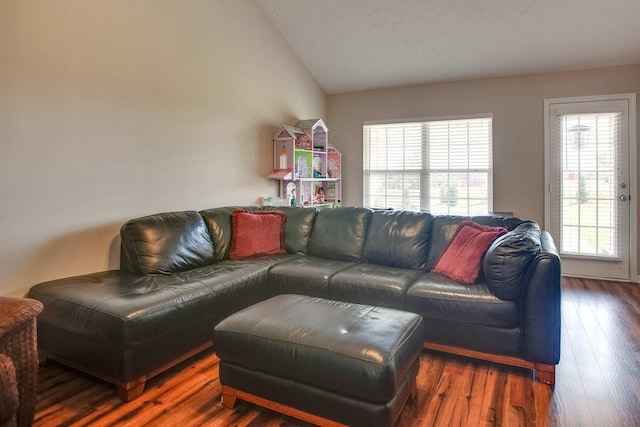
<point x="597" y="382"/>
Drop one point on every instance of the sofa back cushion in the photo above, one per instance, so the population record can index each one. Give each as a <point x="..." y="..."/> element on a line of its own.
<point x="508" y="222"/>
<point x="218" y="222"/>
<point x="507" y="261"/>
<point x="297" y="228"/>
<point x="339" y="233"/>
<point x="444" y="227"/>
<point x="398" y="239"/>
<point x="165" y="243"/>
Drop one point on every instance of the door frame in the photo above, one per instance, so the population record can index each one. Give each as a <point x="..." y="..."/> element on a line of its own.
<point x="633" y="170"/>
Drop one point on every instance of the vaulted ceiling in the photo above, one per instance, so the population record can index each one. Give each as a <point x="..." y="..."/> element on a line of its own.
<point x="351" y="45"/>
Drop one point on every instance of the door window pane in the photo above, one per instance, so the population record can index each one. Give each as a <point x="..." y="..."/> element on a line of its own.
<point x="589" y="158"/>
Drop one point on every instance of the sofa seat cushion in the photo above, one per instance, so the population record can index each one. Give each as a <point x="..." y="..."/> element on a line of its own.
<point x="437" y="297"/>
<point x="307" y="275"/>
<point x="373" y="284"/>
<point x="126" y="310"/>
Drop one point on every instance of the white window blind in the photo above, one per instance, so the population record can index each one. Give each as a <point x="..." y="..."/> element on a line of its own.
<point x="590" y="165"/>
<point x="440" y="166"/>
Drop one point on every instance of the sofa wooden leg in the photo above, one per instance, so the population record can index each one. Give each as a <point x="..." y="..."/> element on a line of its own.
<point x="43" y="359"/>
<point x="130" y="390"/>
<point x="229" y="395"/>
<point x="546" y="373"/>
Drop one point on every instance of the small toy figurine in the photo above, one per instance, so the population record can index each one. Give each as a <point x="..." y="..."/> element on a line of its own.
<point x="303" y="168"/>
<point x="317" y="167"/>
<point x="318" y="197"/>
<point x="292" y="197"/>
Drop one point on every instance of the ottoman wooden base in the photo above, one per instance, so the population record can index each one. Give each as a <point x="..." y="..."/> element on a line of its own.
<point x="229" y="396"/>
<point x="308" y="403"/>
<point x="326" y="362"/>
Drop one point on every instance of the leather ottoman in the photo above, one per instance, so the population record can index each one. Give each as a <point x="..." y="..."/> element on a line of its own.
<point x="323" y="361"/>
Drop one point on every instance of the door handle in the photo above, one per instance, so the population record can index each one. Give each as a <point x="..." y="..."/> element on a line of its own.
<point x="622" y="198"/>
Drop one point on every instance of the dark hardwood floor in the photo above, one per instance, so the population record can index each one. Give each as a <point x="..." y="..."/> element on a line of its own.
<point x="597" y="382"/>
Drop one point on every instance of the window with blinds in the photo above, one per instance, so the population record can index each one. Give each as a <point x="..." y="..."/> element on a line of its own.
<point x="439" y="166"/>
<point x="590" y="162"/>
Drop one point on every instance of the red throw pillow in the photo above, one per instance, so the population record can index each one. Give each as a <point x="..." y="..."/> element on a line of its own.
<point x="256" y="233"/>
<point x="462" y="260"/>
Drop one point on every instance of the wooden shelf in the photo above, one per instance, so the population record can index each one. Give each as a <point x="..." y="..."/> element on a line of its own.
<point x="317" y="179"/>
<point x="281" y="174"/>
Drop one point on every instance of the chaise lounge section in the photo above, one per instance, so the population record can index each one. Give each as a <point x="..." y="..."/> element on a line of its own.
<point x="177" y="282"/>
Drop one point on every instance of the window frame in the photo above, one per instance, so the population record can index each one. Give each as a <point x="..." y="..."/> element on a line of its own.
<point x="425" y="171"/>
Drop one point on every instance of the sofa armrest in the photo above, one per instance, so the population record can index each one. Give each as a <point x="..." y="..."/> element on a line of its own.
<point x="541" y="306"/>
<point x="9" y="400"/>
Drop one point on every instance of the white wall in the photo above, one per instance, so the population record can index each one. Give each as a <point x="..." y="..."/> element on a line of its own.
<point x="517" y="104"/>
<point x="111" y="110"/>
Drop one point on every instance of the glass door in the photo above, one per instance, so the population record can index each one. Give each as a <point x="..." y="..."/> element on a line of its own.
<point x="589" y="187"/>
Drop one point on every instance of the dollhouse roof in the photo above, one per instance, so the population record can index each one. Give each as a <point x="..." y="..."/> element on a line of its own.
<point x="291" y="130"/>
<point x="331" y="147"/>
<point x="311" y="124"/>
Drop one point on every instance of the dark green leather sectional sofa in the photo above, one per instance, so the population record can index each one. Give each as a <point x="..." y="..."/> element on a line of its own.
<point x="176" y="282"/>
